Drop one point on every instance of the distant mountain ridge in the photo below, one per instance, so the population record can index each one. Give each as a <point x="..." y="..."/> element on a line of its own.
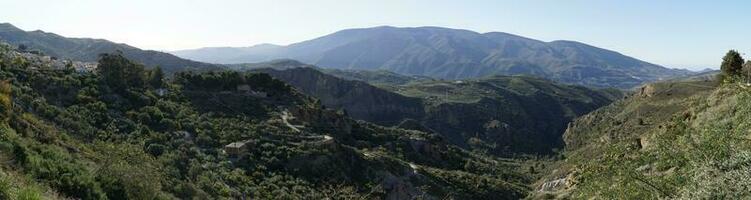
<point x="87" y="49"/>
<point x="453" y="54"/>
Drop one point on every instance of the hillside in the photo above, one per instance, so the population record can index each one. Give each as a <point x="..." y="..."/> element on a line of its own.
<point x="673" y="140"/>
<point x="216" y="135"/>
<point x="505" y="114"/>
<point x="380" y="78"/>
<point x="87" y="50"/>
<point x="501" y="115"/>
<point x="359" y="99"/>
<point x="454" y="54"/>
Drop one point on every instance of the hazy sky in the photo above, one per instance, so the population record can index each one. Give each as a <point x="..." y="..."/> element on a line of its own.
<point x="679" y="34"/>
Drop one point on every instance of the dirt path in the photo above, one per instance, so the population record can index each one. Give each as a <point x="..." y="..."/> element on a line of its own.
<point x="285" y="116"/>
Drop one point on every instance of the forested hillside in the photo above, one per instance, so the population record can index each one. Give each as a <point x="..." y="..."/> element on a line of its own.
<point x="124" y="132"/>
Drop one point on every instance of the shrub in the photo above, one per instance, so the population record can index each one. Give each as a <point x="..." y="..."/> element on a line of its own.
<point x="29" y="193"/>
<point x="5" y="187"/>
<point x="156" y="79"/>
<point x="120" y="73"/>
<point x="128" y="173"/>
<point x="6" y="104"/>
<point x="732" y="63"/>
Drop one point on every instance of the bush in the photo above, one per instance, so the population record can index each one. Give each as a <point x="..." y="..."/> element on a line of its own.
<point x="732" y="64"/>
<point x="128" y="173"/>
<point x="55" y="167"/>
<point x="5" y="187"/>
<point x="120" y="73"/>
<point x="29" y="193"/>
<point x="6" y="103"/>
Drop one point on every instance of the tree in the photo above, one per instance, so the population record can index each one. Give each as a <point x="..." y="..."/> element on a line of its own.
<point x="69" y="67"/>
<point x="120" y="73"/>
<point x="732" y="64"/>
<point x="156" y="80"/>
<point x="747" y="70"/>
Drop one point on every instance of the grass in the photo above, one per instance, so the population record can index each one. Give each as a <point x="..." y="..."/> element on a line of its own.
<point x="695" y="145"/>
<point x="18" y="187"/>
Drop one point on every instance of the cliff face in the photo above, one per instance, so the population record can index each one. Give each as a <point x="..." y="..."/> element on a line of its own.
<point x="503" y="115"/>
<point x="360" y="100"/>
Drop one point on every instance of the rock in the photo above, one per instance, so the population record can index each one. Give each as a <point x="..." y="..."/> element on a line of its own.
<point x="411" y="124"/>
<point x="426" y="148"/>
<point x="397" y="188"/>
<point x="554" y="185"/>
<point x="647" y="90"/>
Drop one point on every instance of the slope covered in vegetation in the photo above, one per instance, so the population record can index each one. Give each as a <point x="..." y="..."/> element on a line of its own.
<point x="676" y="140"/>
<point x="87" y="49"/>
<point x="505" y="114"/>
<point x="501" y="115"/>
<point x="126" y="133"/>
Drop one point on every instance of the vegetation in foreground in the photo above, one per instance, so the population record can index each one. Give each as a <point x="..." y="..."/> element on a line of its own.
<point x="671" y="140"/>
<point x="124" y="132"/>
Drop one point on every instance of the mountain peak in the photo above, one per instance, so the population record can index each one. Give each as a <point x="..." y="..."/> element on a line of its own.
<point x="8" y="27"/>
<point x="449" y="53"/>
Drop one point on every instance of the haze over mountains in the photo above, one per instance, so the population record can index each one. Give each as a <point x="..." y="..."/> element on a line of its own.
<point x="425" y="51"/>
<point x="452" y="54"/>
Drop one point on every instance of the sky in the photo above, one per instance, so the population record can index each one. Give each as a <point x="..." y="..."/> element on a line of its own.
<point x="673" y="33"/>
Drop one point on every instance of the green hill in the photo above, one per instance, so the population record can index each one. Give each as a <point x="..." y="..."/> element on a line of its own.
<point x="87" y="50"/>
<point x="216" y="135"/>
<point x="673" y="140"/>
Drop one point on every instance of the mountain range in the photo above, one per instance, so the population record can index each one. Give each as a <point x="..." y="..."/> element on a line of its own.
<point x="381" y="118"/>
<point x="88" y="50"/>
<point x="452" y="54"/>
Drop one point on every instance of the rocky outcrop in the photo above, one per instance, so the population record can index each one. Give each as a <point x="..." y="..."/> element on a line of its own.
<point x="397" y="187"/>
<point x="411" y="124"/>
<point x="325" y="119"/>
<point x="427" y="148"/>
<point x="359" y="99"/>
<point x="553" y="185"/>
<point x="647" y="90"/>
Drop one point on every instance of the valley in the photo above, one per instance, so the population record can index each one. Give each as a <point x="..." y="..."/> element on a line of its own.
<point x="367" y="113"/>
<point x="91" y="139"/>
<point x="500" y="115"/>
